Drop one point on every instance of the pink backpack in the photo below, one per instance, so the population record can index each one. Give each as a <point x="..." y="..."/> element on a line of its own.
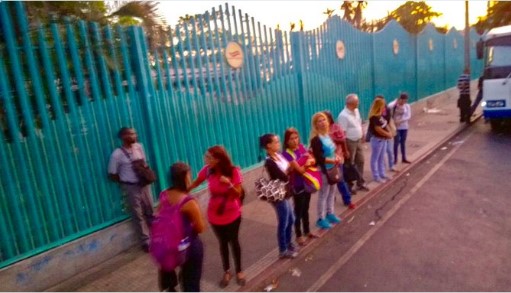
<point x="170" y="234"/>
<point x="312" y="176"/>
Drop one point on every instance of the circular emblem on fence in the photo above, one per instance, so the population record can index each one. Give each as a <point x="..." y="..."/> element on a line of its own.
<point x="234" y="55"/>
<point x="340" y="49"/>
<point x="431" y="44"/>
<point x="455" y="43"/>
<point x="395" y="46"/>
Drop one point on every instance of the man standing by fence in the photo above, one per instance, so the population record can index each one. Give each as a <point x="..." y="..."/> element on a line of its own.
<point x="140" y="199"/>
<point x="351" y="122"/>
<point x="464" y="99"/>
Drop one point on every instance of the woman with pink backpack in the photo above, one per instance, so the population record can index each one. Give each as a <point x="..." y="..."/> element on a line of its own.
<point x="178" y="213"/>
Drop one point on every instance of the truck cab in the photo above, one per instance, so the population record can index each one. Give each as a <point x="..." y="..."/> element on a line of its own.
<point x="495" y="48"/>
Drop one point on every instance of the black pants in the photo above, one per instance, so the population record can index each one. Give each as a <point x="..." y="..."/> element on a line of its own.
<point x="228" y="234"/>
<point x="302" y="201"/>
<point x="191" y="271"/>
<point x="464" y="105"/>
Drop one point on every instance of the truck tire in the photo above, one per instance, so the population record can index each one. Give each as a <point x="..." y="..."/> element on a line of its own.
<point x="495" y="125"/>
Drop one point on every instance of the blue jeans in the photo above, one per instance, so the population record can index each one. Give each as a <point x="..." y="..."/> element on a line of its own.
<point x="326" y="198"/>
<point x="286" y="219"/>
<point x="390" y="152"/>
<point x="344" y="189"/>
<point x="378" y="146"/>
<point x="400" y="139"/>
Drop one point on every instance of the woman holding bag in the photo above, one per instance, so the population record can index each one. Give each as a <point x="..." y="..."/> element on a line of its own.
<point x="224" y="207"/>
<point x="278" y="168"/>
<point x="323" y="149"/>
<point x="378" y="126"/>
<point x="341" y="150"/>
<point x="293" y="152"/>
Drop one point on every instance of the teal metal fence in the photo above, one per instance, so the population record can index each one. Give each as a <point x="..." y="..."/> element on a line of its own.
<point x="66" y="88"/>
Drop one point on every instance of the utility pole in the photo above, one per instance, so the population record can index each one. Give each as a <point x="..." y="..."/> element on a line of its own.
<point x="467" y="38"/>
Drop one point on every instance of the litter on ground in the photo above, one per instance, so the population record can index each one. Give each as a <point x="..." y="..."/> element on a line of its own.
<point x="295" y="272"/>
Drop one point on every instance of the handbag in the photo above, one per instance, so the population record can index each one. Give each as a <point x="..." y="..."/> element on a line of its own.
<point x="312" y="176"/>
<point x="391" y="127"/>
<point x="241" y="198"/>
<point x="270" y="190"/>
<point x="333" y="175"/>
<point x="145" y="175"/>
<point x="350" y="173"/>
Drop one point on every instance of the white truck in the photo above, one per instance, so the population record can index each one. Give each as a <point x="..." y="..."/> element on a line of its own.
<point x="495" y="48"/>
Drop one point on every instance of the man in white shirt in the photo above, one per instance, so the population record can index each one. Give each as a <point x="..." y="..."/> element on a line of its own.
<point x="140" y="199"/>
<point x="351" y="122"/>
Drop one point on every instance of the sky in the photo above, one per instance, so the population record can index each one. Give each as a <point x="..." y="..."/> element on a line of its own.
<point x="273" y="12"/>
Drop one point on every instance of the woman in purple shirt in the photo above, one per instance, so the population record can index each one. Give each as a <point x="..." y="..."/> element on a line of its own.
<point x="293" y="151"/>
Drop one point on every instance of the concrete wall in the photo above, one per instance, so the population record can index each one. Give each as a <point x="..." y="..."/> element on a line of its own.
<point x="53" y="267"/>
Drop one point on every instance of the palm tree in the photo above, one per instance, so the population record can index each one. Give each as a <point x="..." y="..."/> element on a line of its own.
<point x="328" y="12"/>
<point x="349" y="10"/>
<point x="185" y="19"/>
<point x="357" y="18"/>
<point x="146" y="12"/>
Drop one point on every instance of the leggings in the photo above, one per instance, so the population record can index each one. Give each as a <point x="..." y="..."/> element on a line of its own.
<point x="302" y="202"/>
<point x="228" y="234"/>
<point x="190" y="274"/>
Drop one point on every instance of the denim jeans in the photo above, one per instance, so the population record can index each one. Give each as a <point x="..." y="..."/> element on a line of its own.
<point x="286" y="219"/>
<point x="400" y="139"/>
<point x="344" y="190"/>
<point x="378" y="146"/>
<point x="326" y="198"/>
<point x="390" y="152"/>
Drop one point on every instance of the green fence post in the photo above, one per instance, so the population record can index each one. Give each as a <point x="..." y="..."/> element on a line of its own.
<point x="297" y="53"/>
<point x="145" y="88"/>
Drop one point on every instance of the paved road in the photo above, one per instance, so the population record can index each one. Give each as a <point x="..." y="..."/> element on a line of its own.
<point x="443" y="226"/>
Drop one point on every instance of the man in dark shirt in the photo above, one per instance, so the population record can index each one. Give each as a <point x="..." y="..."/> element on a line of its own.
<point x="464" y="99"/>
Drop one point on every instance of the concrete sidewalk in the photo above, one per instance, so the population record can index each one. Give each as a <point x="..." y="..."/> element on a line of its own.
<point x="433" y="120"/>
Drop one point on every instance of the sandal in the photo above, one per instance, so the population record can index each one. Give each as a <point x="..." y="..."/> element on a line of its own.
<point x="240" y="279"/>
<point x="225" y="280"/>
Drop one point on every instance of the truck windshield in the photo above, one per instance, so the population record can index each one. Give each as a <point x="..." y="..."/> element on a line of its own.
<point x="498" y="56"/>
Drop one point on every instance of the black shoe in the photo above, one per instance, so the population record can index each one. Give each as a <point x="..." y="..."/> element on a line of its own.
<point x="363" y="187"/>
<point x="353" y="192"/>
<point x="406" y="162"/>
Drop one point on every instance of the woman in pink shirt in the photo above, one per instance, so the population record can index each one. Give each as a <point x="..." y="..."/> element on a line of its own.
<point x="224" y="207"/>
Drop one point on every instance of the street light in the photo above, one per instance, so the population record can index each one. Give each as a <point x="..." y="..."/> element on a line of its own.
<point x="467" y="39"/>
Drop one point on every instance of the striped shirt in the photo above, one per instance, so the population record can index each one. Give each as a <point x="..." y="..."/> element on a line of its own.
<point x="464" y="84"/>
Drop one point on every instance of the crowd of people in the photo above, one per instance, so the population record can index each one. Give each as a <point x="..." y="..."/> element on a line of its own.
<point x="334" y="148"/>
